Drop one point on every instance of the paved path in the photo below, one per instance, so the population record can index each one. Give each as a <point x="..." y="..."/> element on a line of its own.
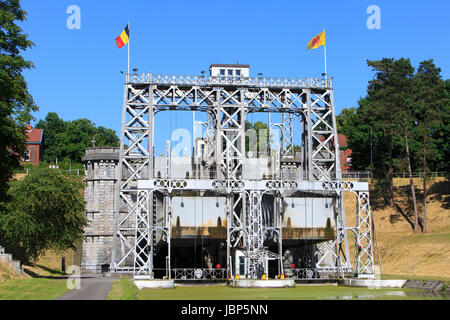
<point x="93" y="287"/>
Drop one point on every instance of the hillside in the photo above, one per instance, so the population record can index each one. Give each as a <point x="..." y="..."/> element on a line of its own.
<point x="403" y="252"/>
<point x="6" y="273"/>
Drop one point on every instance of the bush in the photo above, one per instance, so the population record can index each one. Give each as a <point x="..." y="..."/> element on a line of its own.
<point x="45" y="210"/>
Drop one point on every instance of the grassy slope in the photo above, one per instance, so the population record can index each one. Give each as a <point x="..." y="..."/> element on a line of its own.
<point x="39" y="282"/>
<point x="6" y="273"/>
<point x="403" y="252"/>
<point x="32" y="289"/>
<point x="49" y="265"/>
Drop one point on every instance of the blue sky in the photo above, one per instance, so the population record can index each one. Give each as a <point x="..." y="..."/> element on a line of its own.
<point x="77" y="72"/>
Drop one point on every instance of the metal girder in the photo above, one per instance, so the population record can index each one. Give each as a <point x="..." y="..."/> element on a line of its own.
<point x="364" y="249"/>
<point x="227" y="101"/>
<point x="134" y="164"/>
<point x="255" y="241"/>
<point x="322" y="144"/>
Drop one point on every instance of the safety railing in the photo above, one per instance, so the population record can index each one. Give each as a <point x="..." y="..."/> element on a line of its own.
<point x="262" y="82"/>
<point x="187" y="173"/>
<point x="72" y="172"/>
<point x="317" y="273"/>
<point x="199" y="274"/>
<point x="420" y="174"/>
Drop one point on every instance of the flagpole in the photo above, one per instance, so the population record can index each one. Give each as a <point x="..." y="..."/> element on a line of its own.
<point x="129" y="40"/>
<point x="325" y="54"/>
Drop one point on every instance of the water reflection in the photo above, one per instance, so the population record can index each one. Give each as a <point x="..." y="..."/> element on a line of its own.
<point x="399" y="294"/>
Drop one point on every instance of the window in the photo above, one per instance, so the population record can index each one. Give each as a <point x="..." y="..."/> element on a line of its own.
<point x="27" y="156"/>
<point x="238" y="72"/>
<point x="202" y="150"/>
<point x="222" y="72"/>
<point x="230" y="72"/>
<point x="241" y="266"/>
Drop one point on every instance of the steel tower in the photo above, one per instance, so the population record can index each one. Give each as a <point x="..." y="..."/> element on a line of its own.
<point x="227" y="102"/>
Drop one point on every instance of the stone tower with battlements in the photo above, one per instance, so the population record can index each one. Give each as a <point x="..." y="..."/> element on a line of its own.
<point x="101" y="173"/>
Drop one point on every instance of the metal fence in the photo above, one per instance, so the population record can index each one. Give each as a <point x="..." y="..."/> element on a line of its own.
<point x="199" y="274"/>
<point x="317" y="273"/>
<point x="186" y="172"/>
<point x="261" y="82"/>
<point x="72" y="172"/>
<point x="420" y="174"/>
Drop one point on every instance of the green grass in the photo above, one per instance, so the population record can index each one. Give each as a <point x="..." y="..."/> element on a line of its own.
<point x="32" y="289"/>
<point x="123" y="289"/>
<point x="426" y="238"/>
<point x="414" y="277"/>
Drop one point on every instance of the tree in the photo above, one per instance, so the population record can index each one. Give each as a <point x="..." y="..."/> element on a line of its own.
<point x="69" y="139"/>
<point x="46" y="211"/>
<point x="53" y="125"/>
<point x="77" y="137"/>
<point x="408" y="114"/>
<point x="106" y="137"/>
<point x="346" y="120"/>
<point x="262" y="138"/>
<point x="16" y="104"/>
<point x="431" y="98"/>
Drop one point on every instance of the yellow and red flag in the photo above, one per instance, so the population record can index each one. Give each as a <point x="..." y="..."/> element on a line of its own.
<point x="123" y="38"/>
<point x="317" y="41"/>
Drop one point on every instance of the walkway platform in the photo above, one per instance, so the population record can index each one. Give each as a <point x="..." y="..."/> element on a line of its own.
<point x="252" y="283"/>
<point x="154" y="284"/>
<point x="372" y="283"/>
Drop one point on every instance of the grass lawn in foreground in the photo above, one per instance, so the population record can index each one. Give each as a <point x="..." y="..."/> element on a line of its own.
<point x="123" y="289"/>
<point x="32" y="289"/>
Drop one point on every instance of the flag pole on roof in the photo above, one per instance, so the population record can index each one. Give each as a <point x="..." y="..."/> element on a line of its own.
<point x="318" y="41"/>
<point x="325" y="54"/>
<point x="123" y="39"/>
<point x="128" y="25"/>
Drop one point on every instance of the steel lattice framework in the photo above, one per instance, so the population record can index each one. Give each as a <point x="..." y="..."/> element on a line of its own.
<point x="227" y="101"/>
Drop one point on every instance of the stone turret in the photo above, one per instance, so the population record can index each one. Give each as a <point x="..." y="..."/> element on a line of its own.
<point x="101" y="172"/>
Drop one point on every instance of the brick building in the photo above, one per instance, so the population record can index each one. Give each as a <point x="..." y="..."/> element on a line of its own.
<point x="34" y="151"/>
<point x="345" y="154"/>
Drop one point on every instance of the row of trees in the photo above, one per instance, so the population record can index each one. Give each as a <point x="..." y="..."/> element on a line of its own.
<point x="402" y="125"/>
<point x="69" y="139"/>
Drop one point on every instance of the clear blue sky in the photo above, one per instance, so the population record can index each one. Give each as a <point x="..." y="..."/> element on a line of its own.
<point x="78" y="75"/>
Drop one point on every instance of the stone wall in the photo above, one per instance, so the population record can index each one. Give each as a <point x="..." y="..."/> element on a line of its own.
<point x="101" y="171"/>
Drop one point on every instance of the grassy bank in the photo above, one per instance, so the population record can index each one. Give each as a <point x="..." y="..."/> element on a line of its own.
<point x="403" y="253"/>
<point x="40" y="281"/>
<point x="32" y="289"/>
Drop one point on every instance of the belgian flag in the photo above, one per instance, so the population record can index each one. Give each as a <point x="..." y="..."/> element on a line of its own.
<point x="123" y="38"/>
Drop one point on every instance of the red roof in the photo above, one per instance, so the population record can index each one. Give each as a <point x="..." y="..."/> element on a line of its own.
<point x="34" y="135"/>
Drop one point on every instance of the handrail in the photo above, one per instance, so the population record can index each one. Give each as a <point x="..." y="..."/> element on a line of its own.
<point x="261" y="82"/>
